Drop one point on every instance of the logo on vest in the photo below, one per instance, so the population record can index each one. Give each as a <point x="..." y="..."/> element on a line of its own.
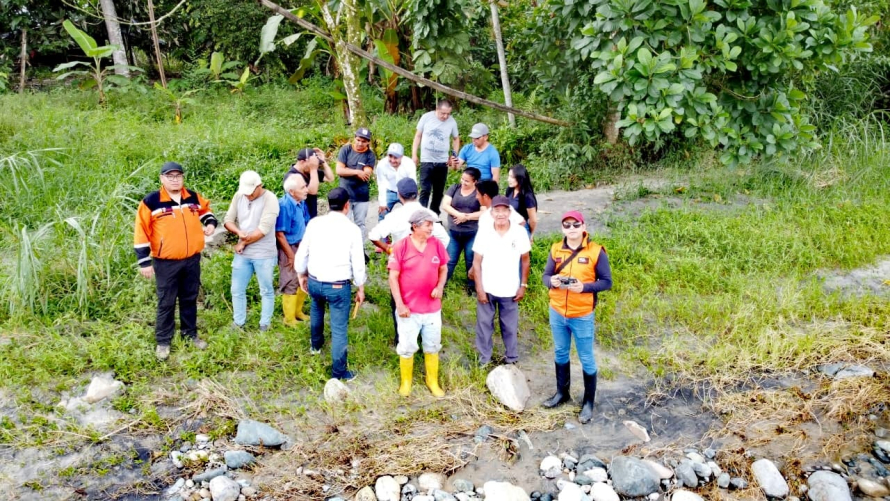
<point x="436" y="260"/>
<point x="583" y="260"/>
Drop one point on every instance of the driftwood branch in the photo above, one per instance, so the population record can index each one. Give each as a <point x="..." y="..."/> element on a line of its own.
<point x="306" y="25"/>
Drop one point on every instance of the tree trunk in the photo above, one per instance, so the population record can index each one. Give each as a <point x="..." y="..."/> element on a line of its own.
<point x="24" y="59"/>
<point x="502" y="59"/>
<point x="610" y="127"/>
<point x="154" y="37"/>
<point x="348" y="62"/>
<point x="114" y="37"/>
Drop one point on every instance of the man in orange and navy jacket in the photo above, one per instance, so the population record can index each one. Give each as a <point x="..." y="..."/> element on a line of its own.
<point x="577" y="270"/>
<point x="168" y="240"/>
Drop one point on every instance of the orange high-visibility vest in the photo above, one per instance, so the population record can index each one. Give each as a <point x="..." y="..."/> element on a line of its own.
<point x="583" y="268"/>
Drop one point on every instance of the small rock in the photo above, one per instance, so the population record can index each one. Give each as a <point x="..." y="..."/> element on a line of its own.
<point x="882" y="433"/>
<point x="508" y="385"/>
<point x="715" y="468"/>
<point x="632" y="478"/>
<point x="829" y="369"/>
<point x="365" y="494"/>
<point x="387" y="489"/>
<point x="210" y="475"/>
<point x="238" y="459"/>
<point x="854" y="371"/>
<point x="884" y="445"/>
<point x="423" y="497"/>
<point x="723" y="480"/>
<point x="663" y="472"/>
<point x="252" y="432"/>
<point x="769" y="478"/>
<point x="462" y="496"/>
<point x="597" y="474"/>
<point x="428" y="482"/>
<point x="179" y="484"/>
<point x="696" y="457"/>
<point x="409" y="489"/>
<point x="603" y="492"/>
<point x="570" y="492"/>
<point x="589" y="461"/>
<point x="205" y="493"/>
<point x="738" y="483"/>
<point x="483" y="432"/>
<point x="462" y="485"/>
<point x="581" y="479"/>
<point x="185" y="447"/>
<point x="702" y="470"/>
<point x="176" y="457"/>
<point x="102" y="387"/>
<point x="335" y="391"/>
<point x="828" y="486"/>
<point x="202" y="438"/>
<point x="569" y="426"/>
<point x="686" y="474"/>
<point x="440" y="495"/>
<point x="569" y="463"/>
<point x="401" y="479"/>
<point x="710" y="453"/>
<point x="223" y="488"/>
<point x="198" y="456"/>
<point x="550" y="462"/>
<point x="681" y="495"/>
<point x="190" y="483"/>
<point x="637" y="430"/>
<point x="504" y="491"/>
<point x="251" y="492"/>
<point x="871" y="488"/>
<point x="552" y="473"/>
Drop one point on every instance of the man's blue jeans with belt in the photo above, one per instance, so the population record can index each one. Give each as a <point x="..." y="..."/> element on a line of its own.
<point x="339" y="296"/>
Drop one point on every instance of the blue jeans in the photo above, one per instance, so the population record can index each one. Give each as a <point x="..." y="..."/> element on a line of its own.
<point x="242" y="269"/>
<point x="339" y="297"/>
<point x="583" y="329"/>
<point x="460" y="242"/>
<point x="392" y="198"/>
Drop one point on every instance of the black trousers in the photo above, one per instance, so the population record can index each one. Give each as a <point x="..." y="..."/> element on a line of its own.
<point x="432" y="181"/>
<point x="177" y="279"/>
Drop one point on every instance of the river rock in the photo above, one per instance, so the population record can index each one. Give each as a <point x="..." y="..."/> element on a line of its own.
<point x="173" y="489"/>
<point x="854" y="371"/>
<point x="589" y="461"/>
<point x="738" y="483"/>
<point x="248" y="491"/>
<point x="550" y="462"/>
<point x="702" y="470"/>
<point x="423" y="497"/>
<point x="686" y="474"/>
<point x="508" y="385"/>
<point x="365" y="494"/>
<point x="335" y="391"/>
<point x="633" y="478"/>
<point x="224" y="489"/>
<point x="769" y="478"/>
<point x="827" y="486"/>
<point x="637" y="430"/>
<point x="603" y="492"/>
<point x="715" y="468"/>
<point x="597" y="474"/>
<point x="570" y="492"/>
<point x="662" y="471"/>
<point x="238" y="459"/>
<point x="209" y="475"/>
<point x="681" y="495"/>
<point x="723" y="480"/>
<point x="176" y="457"/>
<point x="462" y="485"/>
<point x="387" y="489"/>
<point x="252" y="432"/>
<point x="884" y="445"/>
<point x="427" y="482"/>
<point x="871" y="488"/>
<point x="504" y="491"/>
<point x="102" y="387"/>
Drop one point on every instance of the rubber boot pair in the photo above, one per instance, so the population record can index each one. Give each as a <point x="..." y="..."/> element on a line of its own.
<point x="292" y="304"/>
<point x="563" y="380"/>
<point x="406" y="366"/>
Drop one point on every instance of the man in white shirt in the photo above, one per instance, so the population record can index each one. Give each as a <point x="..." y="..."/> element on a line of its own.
<point x="498" y="253"/>
<point x="396" y="225"/>
<point x="390" y="170"/>
<point x="330" y="255"/>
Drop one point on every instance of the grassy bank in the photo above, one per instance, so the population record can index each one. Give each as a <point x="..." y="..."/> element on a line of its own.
<point x="716" y="289"/>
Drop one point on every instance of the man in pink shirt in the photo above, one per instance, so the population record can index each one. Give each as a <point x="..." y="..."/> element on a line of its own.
<point x="418" y="269"/>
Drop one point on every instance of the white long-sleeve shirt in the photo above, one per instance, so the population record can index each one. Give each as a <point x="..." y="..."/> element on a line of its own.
<point x="332" y="250"/>
<point x="396" y="224"/>
<point x="388" y="177"/>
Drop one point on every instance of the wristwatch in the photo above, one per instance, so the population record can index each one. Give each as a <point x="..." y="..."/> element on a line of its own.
<point x="523" y="285"/>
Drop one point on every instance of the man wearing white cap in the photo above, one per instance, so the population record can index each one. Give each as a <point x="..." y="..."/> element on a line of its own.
<point x="481" y="154"/>
<point x="251" y="216"/>
<point x="390" y="170"/>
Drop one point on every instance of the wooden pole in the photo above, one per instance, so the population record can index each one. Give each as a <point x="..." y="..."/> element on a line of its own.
<point x="315" y="30"/>
<point x="24" y="59"/>
<point x="502" y="59"/>
<point x="154" y="37"/>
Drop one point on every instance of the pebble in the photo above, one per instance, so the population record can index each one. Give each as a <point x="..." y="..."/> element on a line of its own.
<point x="686" y="475"/>
<point x="883" y="445"/>
<point x="202" y="438"/>
<point x="681" y="495"/>
<point x="570" y="492"/>
<point x="632" y="478"/>
<point x="401" y="479"/>
<point x="710" y="453"/>
<point x="769" y="478"/>
<point x="238" y="459"/>
<point x="569" y="463"/>
<point x="252" y="432"/>
<point x="223" y="488"/>
<point x="828" y="486"/>
<point x="176" y="486"/>
<point x="854" y="371"/>
<point x="582" y="479"/>
<point x="882" y="433"/>
<point x="589" y="461"/>
<point x="462" y="485"/>
<point x="335" y="391"/>
<point x="210" y="474"/>
<point x="696" y="457"/>
<point x="251" y="492"/>
<point x="387" y="489"/>
<point x="409" y="489"/>
<point x="185" y="447"/>
<point x="427" y="482"/>
<point x="723" y="480"/>
<point x="205" y="492"/>
<point x="190" y="483"/>
<point x="603" y="492"/>
<point x="596" y="474"/>
<point x="660" y="470"/>
<point x="715" y="468"/>
<point x="503" y="491"/>
<point x="738" y="483"/>
<point x="550" y="462"/>
<point x="871" y="488"/>
<point x="176" y="457"/>
<point x="702" y="470"/>
<point x="508" y="385"/>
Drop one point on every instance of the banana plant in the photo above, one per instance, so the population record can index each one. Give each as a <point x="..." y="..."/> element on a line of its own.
<point x="218" y="70"/>
<point x="239" y="85"/>
<point x="96" y="74"/>
<point x="177" y="101"/>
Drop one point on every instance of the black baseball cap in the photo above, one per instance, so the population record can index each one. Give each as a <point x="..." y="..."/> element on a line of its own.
<point x="305" y="154"/>
<point x="171" y="167"/>
<point x="337" y="198"/>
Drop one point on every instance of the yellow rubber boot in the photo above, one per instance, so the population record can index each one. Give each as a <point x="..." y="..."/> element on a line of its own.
<point x="406" y="366"/>
<point x="289" y="305"/>
<point x="431" y="360"/>
<point x="298" y="307"/>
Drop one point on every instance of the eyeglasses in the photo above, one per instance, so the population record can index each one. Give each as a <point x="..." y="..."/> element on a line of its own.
<point x="174" y="177"/>
<point x="571" y="225"/>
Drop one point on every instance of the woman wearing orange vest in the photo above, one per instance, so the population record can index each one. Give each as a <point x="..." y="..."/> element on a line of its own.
<point x="577" y="269"/>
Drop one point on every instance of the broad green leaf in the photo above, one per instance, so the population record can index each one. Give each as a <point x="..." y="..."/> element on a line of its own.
<point x="65" y="66"/>
<point x="289" y="40"/>
<point x="216" y="61"/>
<point x="644" y="56"/>
<point x="104" y="51"/>
<point x="268" y="34"/>
<point x="85" y="41"/>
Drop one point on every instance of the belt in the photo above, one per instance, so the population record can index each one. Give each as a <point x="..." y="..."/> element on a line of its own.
<point x="336" y="282"/>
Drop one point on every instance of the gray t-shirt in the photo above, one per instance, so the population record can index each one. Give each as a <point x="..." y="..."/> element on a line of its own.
<point x="435" y="144"/>
<point x="257" y="214"/>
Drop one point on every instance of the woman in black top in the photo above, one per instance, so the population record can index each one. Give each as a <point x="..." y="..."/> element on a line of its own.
<point x="522" y="196"/>
<point x="460" y="203"/>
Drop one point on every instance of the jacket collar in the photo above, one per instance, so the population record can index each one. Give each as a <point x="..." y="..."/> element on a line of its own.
<point x="165" y="197"/>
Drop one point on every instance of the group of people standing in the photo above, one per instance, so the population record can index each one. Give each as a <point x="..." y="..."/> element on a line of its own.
<point x="323" y="257"/>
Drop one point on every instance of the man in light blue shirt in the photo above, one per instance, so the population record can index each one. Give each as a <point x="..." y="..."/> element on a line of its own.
<point x="481" y="154"/>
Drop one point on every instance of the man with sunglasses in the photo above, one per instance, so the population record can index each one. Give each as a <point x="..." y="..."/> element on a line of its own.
<point x="171" y="224"/>
<point x="577" y="270"/>
<point x="390" y="170"/>
<point x="355" y="166"/>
